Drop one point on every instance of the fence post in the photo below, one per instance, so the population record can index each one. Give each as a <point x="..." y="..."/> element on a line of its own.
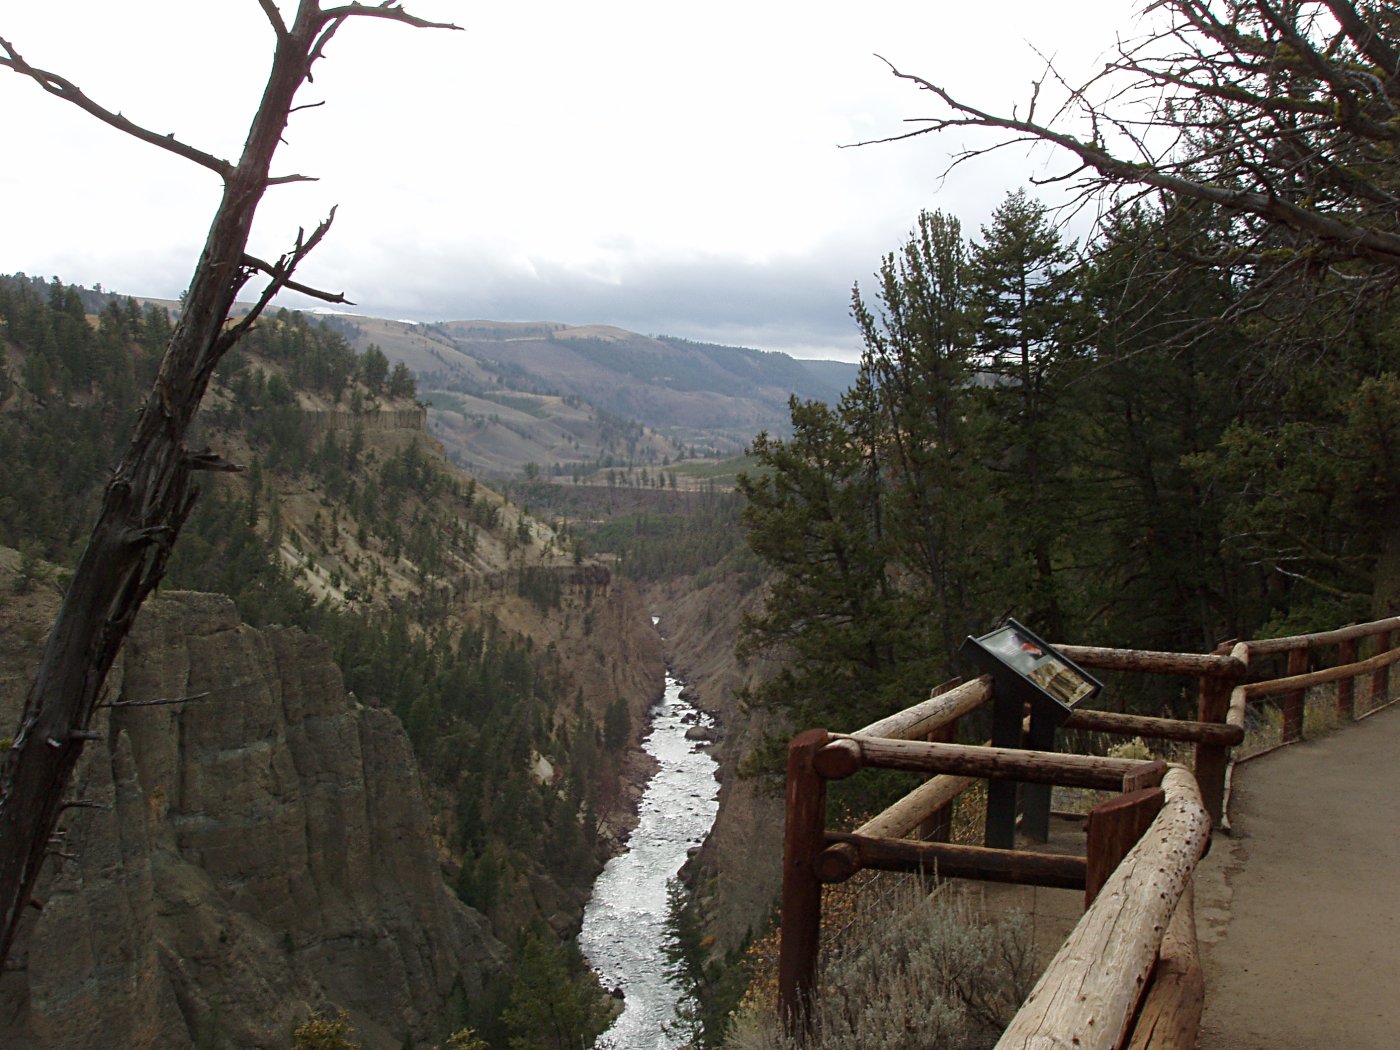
<point x="1114" y="828"/>
<point x="939" y="825"/>
<point x="803" y="841"/>
<point x="1380" y="680"/>
<point x="1293" y="702"/>
<point x="1211" y="759"/>
<point x="1346" y="688"/>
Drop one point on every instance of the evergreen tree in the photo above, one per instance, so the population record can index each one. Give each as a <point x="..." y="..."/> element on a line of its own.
<point x="1024" y="296"/>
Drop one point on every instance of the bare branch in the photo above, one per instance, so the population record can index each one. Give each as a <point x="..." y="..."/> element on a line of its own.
<point x="391" y="11"/>
<point x="275" y="17"/>
<point x="69" y="92"/>
<point x="163" y="702"/>
<point x="281" y="273"/>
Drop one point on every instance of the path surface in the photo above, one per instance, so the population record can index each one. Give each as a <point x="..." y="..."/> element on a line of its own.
<point x="1298" y="911"/>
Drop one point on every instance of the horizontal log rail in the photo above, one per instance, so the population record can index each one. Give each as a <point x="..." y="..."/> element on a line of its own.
<point x="1134" y="954"/>
<point x="1354" y="632"/>
<point x="934" y="713"/>
<point x="849" y="853"/>
<point x="1242" y="694"/>
<point x="847" y="755"/>
<point x="1193" y="664"/>
<point x="1155" y="728"/>
<point x="916" y="807"/>
<point x="1090" y="991"/>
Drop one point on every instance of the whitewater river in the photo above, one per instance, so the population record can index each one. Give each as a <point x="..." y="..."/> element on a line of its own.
<point x="624" y="925"/>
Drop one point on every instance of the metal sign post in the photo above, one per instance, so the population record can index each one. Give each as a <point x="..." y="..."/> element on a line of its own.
<point x="1025" y="670"/>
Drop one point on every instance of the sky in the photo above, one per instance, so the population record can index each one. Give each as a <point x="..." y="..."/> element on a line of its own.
<point x="667" y="168"/>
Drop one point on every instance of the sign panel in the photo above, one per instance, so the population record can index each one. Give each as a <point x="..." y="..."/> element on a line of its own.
<point x="1048" y="676"/>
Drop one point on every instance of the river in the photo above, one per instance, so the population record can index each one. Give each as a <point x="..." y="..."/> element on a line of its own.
<point x="624" y="925"/>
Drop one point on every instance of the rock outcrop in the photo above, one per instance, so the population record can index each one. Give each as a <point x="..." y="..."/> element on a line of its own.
<point x="258" y="851"/>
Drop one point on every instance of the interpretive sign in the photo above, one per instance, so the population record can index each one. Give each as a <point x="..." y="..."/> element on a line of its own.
<point x="1039" y="672"/>
<point x="1025" y="670"/>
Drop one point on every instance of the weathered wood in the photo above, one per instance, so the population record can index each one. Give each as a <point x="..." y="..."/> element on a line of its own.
<point x="1346" y="687"/>
<point x="1274" y="686"/>
<point x="846" y="755"/>
<point x="1212" y="757"/>
<point x="803" y="842"/>
<point x="1147" y="775"/>
<point x="1265" y="646"/>
<point x="1239" y="703"/>
<point x="916" y="807"/>
<point x="1380" y="677"/>
<point x="1160" y="728"/>
<point x="1170" y="1017"/>
<point x="150" y="492"/>
<point x="921" y="719"/>
<point x="1194" y="664"/>
<point x="849" y="853"/>
<point x="1114" y="828"/>
<point x="1091" y="988"/>
<point x="938" y="825"/>
<point x="1293" y="702"/>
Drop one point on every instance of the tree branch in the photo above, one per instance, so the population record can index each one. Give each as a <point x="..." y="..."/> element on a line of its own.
<point x="390" y="10"/>
<point x="275" y="17"/>
<point x="69" y="92"/>
<point x="1353" y="239"/>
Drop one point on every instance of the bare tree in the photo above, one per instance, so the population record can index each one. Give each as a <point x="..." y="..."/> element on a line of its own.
<point x="1281" y="115"/>
<point x="151" y="491"/>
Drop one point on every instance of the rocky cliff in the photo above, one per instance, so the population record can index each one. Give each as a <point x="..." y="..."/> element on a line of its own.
<point x="257" y="851"/>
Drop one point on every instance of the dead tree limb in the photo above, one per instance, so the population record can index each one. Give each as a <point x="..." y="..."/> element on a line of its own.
<point x="150" y="492"/>
<point x="1284" y="117"/>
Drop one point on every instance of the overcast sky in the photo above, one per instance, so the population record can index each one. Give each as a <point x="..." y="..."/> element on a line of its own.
<point x="668" y="168"/>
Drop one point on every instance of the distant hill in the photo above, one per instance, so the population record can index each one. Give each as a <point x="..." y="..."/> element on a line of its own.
<point x="579" y="398"/>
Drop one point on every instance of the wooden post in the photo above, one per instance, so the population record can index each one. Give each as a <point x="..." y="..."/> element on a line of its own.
<point x="1346" y="688"/>
<point x="1114" y="828"/>
<point x="1293" y="702"/>
<point x="803" y="841"/>
<point x="1212" y="759"/>
<point x="1380" y="680"/>
<point x="939" y="825"/>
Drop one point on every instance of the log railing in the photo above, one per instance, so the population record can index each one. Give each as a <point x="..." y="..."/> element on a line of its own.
<point x="1128" y="976"/>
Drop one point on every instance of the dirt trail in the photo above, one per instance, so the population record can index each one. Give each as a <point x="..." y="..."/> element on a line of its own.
<point x="1299" y="911"/>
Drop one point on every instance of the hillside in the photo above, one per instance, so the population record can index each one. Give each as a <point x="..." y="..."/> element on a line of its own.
<point x="590" y="397"/>
<point x="517" y="670"/>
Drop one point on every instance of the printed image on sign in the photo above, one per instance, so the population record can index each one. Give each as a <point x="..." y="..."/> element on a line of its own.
<point x="1026" y="656"/>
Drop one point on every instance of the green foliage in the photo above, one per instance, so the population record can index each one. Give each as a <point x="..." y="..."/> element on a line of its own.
<point x="319" y="1032"/>
<point x="555" y="1004"/>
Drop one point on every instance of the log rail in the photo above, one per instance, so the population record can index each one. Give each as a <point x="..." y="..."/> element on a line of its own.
<point x="1128" y="977"/>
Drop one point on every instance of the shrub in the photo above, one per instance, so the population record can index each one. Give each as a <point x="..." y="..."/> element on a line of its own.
<point x="911" y="972"/>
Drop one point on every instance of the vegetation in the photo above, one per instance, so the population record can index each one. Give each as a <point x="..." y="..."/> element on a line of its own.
<point x="1036" y="433"/>
<point x="455" y="682"/>
<point x="909" y="972"/>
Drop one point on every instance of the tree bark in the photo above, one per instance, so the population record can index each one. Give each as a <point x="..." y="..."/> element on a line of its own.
<point x="150" y="492"/>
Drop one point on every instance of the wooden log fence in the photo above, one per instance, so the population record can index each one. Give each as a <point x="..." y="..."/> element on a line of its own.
<point x="1138" y="932"/>
<point x="1090" y="991"/>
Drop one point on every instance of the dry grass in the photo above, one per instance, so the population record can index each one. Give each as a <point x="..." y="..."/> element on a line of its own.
<point x="902" y="970"/>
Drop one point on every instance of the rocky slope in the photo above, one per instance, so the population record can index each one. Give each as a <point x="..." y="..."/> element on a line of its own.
<point x="239" y="859"/>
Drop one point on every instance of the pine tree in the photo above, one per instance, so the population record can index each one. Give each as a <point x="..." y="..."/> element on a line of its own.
<point x="1024" y="295"/>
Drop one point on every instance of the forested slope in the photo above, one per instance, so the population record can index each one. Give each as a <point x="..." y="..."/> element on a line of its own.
<point x="519" y="670"/>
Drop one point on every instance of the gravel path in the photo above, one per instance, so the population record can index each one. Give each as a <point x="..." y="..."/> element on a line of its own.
<point x="1298" y="911"/>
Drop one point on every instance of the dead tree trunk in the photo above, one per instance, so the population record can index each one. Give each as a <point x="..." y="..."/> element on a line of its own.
<point x="150" y="492"/>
